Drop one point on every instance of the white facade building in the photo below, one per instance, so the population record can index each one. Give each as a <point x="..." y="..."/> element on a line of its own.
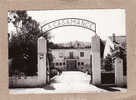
<point x="72" y="59"/>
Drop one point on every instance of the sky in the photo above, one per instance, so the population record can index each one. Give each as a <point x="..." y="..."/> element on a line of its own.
<point x="108" y="21"/>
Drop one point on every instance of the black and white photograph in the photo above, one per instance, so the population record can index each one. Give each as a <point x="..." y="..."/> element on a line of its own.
<point x="67" y="51"/>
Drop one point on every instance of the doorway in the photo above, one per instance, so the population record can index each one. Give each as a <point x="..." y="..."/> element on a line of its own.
<point x="71" y="65"/>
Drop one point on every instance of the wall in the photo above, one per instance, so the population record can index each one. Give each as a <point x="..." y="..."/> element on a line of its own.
<point x="28" y="81"/>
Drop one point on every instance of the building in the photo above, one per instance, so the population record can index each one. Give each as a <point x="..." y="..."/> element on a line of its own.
<point x="72" y="59"/>
<point x="76" y="44"/>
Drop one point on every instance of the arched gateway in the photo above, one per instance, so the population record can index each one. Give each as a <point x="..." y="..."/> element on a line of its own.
<point x="95" y="47"/>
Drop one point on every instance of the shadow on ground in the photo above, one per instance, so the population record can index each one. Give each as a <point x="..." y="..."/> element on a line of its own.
<point x="108" y="88"/>
<point x="53" y="81"/>
<point x="49" y="87"/>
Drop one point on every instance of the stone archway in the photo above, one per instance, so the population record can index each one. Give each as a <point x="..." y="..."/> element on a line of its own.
<point x="42" y="47"/>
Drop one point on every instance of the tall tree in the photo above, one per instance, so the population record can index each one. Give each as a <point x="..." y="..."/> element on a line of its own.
<point x="23" y="44"/>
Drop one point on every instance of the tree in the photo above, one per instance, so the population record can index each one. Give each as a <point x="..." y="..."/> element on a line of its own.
<point x="23" y="44"/>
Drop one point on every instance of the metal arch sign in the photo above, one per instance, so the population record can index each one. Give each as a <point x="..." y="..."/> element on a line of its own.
<point x="69" y="22"/>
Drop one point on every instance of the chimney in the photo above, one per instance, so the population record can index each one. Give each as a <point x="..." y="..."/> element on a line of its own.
<point x="114" y="37"/>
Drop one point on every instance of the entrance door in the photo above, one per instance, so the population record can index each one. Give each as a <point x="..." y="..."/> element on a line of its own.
<point x="71" y="65"/>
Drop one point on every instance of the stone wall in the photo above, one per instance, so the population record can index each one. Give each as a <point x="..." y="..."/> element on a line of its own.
<point x="28" y="81"/>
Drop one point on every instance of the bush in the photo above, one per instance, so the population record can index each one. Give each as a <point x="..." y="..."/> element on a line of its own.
<point x="53" y="72"/>
<point x="23" y="54"/>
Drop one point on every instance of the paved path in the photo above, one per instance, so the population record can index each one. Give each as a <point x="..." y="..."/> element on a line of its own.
<point x="67" y="82"/>
<point x="74" y="81"/>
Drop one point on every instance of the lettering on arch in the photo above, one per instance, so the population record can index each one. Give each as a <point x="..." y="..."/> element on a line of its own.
<point x="69" y="22"/>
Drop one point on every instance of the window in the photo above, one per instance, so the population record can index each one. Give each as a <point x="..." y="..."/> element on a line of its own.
<point x="56" y="64"/>
<point x="82" y="63"/>
<point x="60" y="54"/>
<point x="81" y="54"/>
<point x="64" y="63"/>
<point x="60" y="64"/>
<point x="71" y="54"/>
<point x="78" y="63"/>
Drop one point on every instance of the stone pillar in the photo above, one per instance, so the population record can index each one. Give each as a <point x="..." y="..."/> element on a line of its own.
<point x="96" y="60"/>
<point x="119" y="79"/>
<point x="42" y="51"/>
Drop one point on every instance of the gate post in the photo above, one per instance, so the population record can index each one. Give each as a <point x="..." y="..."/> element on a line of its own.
<point x="119" y="79"/>
<point x="42" y="51"/>
<point x="96" y="60"/>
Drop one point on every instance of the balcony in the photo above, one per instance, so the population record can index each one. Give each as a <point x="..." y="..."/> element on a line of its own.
<point x="71" y="57"/>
